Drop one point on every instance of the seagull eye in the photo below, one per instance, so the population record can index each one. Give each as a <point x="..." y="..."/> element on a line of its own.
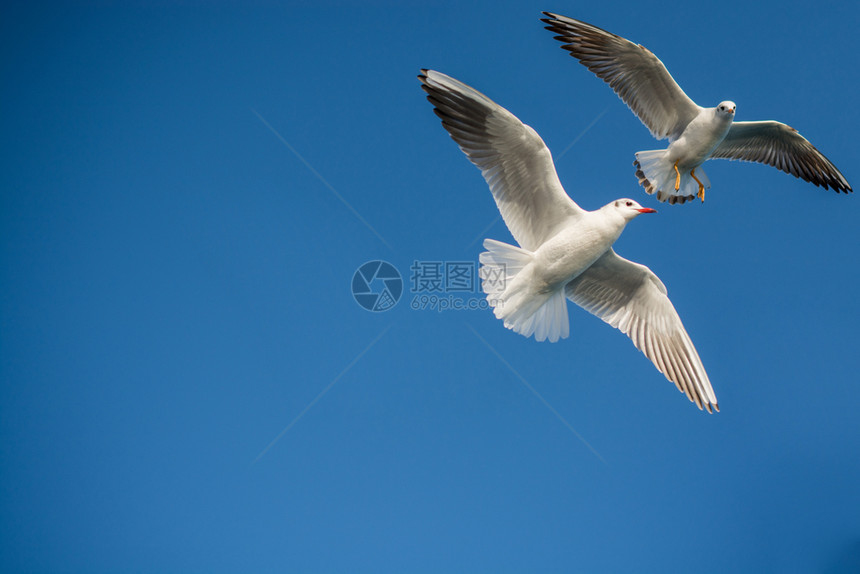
<point x="629" y="203"/>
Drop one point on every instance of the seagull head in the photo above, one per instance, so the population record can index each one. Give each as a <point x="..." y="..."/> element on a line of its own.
<point x="629" y="209"/>
<point x="727" y="108"/>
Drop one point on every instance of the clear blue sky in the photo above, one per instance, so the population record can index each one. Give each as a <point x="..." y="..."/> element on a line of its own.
<point x="176" y="294"/>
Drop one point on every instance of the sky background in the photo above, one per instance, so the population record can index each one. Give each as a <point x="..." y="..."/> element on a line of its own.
<point x="187" y="189"/>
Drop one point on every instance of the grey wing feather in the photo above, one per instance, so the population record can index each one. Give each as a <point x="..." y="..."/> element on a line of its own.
<point x="512" y="157"/>
<point x="781" y="146"/>
<point x="638" y="77"/>
<point x="631" y="298"/>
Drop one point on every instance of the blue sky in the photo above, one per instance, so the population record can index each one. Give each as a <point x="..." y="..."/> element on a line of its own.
<point x="187" y="190"/>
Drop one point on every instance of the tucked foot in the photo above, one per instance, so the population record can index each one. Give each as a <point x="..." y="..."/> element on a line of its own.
<point x="677" y="177"/>
<point x="701" y="193"/>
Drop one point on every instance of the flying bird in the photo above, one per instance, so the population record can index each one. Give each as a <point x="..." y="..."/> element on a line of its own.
<point x="564" y="251"/>
<point x="695" y="134"/>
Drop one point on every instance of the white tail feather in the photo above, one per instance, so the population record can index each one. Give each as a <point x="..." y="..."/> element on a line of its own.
<point x="657" y="175"/>
<point x="505" y="274"/>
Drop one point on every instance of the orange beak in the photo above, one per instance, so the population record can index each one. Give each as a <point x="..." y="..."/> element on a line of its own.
<point x="646" y="210"/>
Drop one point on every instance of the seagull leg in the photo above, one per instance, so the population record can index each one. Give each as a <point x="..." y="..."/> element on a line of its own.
<point x="701" y="187"/>
<point x="678" y="176"/>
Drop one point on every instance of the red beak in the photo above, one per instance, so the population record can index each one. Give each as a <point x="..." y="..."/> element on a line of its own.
<point x="646" y="210"/>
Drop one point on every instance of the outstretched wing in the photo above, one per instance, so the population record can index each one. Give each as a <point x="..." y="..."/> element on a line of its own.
<point x="631" y="298"/>
<point x="511" y="156"/>
<point x="781" y="146"/>
<point x="637" y="76"/>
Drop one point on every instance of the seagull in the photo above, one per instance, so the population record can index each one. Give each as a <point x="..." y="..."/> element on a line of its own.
<point x="695" y="134"/>
<point x="565" y="252"/>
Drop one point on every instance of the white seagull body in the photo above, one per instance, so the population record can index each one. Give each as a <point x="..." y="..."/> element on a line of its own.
<point x="565" y="251"/>
<point x="695" y="134"/>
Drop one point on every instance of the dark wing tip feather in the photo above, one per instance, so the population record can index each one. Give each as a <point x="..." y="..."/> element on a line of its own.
<point x="820" y="174"/>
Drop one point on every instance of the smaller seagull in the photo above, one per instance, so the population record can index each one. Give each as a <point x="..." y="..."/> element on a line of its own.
<point x="695" y="134"/>
<point x="564" y="250"/>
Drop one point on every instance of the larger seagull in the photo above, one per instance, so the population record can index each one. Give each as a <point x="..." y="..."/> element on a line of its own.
<point x="695" y="134"/>
<point x="564" y="250"/>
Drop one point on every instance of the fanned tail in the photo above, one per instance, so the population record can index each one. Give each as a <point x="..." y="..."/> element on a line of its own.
<point x="505" y="275"/>
<point x="657" y="175"/>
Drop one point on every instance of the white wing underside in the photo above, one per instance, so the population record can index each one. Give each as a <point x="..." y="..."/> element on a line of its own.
<point x="638" y="77"/>
<point x="631" y="298"/>
<point x="512" y="157"/>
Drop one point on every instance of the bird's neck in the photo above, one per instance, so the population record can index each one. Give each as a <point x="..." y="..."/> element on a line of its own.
<point x="613" y="219"/>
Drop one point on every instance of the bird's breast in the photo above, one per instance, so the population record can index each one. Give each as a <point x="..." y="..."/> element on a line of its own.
<point x="698" y="141"/>
<point x="570" y="252"/>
